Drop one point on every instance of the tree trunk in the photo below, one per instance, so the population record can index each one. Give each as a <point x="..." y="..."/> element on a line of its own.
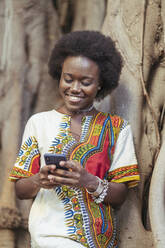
<point x="28" y="31"/>
<point x="137" y="29"/>
<point x="89" y="15"/>
<point x="27" y="37"/>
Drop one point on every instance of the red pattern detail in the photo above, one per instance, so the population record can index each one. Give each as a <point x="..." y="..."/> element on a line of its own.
<point x="98" y="225"/>
<point x="125" y="171"/>
<point x="95" y="138"/>
<point x="116" y="120"/>
<point x="19" y="173"/>
<point x="94" y="163"/>
<point x="35" y="165"/>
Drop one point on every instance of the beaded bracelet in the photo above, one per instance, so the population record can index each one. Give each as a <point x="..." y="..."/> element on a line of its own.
<point x="103" y="194"/>
<point x="99" y="189"/>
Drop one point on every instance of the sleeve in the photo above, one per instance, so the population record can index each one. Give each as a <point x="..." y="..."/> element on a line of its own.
<point x="124" y="166"/>
<point x="28" y="160"/>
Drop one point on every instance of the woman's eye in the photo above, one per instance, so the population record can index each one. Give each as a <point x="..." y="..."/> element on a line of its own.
<point x="85" y="83"/>
<point x="68" y="80"/>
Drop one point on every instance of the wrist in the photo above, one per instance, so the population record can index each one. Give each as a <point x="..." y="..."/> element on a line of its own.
<point x="36" y="181"/>
<point x="92" y="183"/>
<point x="97" y="189"/>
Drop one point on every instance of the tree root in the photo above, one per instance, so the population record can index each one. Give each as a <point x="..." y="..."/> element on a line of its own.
<point x="10" y="218"/>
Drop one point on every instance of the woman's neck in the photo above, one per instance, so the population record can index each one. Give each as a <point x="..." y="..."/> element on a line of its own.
<point x="87" y="111"/>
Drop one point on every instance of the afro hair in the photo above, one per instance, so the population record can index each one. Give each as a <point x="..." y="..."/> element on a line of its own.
<point x="95" y="46"/>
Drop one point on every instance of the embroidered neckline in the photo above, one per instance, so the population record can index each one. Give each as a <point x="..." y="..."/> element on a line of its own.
<point x="65" y="140"/>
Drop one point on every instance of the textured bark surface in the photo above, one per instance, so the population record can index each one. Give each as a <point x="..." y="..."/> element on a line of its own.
<point x="89" y="15"/>
<point x="28" y="31"/>
<point x="140" y="99"/>
<point x="27" y="36"/>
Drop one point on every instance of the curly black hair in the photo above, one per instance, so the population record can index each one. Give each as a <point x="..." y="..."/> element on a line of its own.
<point x="95" y="46"/>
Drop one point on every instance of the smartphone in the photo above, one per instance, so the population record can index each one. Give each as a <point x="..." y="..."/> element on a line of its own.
<point x="55" y="159"/>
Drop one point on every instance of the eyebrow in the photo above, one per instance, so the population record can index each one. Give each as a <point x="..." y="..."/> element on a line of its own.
<point x="85" y="77"/>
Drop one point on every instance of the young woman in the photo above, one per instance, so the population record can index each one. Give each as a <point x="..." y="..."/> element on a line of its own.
<point x="75" y="205"/>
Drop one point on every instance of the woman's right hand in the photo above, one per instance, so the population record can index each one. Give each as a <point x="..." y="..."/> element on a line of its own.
<point x="27" y="188"/>
<point x="42" y="177"/>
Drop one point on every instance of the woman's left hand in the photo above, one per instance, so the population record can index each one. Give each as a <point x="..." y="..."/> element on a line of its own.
<point x="75" y="176"/>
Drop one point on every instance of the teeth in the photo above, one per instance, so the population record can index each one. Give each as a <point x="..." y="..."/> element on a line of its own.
<point x="74" y="98"/>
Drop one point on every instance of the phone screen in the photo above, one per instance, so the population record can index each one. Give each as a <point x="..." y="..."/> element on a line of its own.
<point x="55" y="159"/>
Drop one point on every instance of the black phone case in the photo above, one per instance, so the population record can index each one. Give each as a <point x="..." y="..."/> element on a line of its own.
<point x="55" y="159"/>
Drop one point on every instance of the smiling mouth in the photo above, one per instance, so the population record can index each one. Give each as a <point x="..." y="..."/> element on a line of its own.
<point x="74" y="98"/>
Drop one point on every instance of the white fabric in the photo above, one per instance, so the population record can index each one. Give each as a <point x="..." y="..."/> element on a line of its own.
<point x="43" y="222"/>
<point x="124" y="151"/>
<point x="47" y="222"/>
<point x="57" y="242"/>
<point x="44" y="126"/>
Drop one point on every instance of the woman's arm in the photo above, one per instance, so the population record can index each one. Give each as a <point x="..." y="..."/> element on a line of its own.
<point x="27" y="188"/>
<point x="116" y="193"/>
<point x="77" y="176"/>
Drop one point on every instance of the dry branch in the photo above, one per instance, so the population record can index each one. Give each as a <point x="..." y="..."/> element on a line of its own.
<point x="143" y="83"/>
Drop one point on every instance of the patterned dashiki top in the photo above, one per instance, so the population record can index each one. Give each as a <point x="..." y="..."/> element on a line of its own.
<point x="105" y="149"/>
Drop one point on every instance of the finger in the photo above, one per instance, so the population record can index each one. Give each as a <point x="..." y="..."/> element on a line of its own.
<point x="71" y="165"/>
<point x="63" y="180"/>
<point x="47" y="168"/>
<point x="52" y="179"/>
<point x="47" y="184"/>
<point x="65" y="173"/>
<point x="52" y="168"/>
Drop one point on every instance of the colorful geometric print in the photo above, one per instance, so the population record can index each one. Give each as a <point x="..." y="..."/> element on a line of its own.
<point x="91" y="153"/>
<point x="102" y="226"/>
<point x="77" y="219"/>
<point x="28" y="160"/>
<point x="125" y="174"/>
<point x="64" y="140"/>
<point x="18" y="173"/>
<point x="89" y="223"/>
<point x="98" y="146"/>
<point x="73" y="212"/>
<point x="117" y="124"/>
<point x="93" y="140"/>
<point x="71" y="198"/>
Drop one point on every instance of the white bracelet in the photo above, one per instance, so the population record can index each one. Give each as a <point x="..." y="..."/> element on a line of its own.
<point x="99" y="189"/>
<point x="103" y="194"/>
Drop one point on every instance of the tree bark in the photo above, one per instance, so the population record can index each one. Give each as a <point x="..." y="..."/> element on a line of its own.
<point x="89" y="15"/>
<point x="138" y="99"/>
<point x="28" y="32"/>
<point x="27" y="37"/>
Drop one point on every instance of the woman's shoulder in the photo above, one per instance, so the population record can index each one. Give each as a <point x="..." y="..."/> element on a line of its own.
<point x="115" y="119"/>
<point x="118" y="121"/>
<point x="45" y="116"/>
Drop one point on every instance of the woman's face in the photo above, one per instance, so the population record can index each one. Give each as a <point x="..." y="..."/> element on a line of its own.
<point x="79" y="83"/>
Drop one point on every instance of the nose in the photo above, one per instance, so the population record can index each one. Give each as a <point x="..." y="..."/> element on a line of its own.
<point x="75" y="87"/>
